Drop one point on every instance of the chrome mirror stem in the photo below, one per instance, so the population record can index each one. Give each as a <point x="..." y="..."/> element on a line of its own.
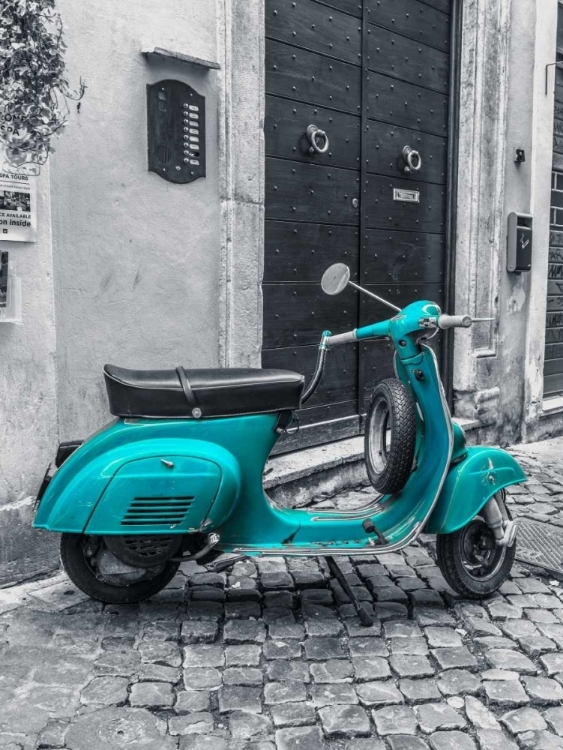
<point x="379" y="299"/>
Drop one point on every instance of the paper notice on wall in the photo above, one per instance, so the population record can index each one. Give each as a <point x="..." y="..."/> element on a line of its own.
<point x="18" y="204"/>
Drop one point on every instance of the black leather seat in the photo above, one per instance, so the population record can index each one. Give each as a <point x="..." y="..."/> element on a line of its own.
<point x="218" y="393"/>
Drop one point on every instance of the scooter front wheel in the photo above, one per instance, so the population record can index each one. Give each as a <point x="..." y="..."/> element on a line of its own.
<point x="471" y="562"/>
<point x="79" y="554"/>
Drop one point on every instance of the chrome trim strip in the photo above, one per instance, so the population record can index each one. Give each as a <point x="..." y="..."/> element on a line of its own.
<point x="333" y="551"/>
<point x="371" y="509"/>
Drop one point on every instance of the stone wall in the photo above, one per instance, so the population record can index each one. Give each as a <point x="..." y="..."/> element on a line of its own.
<point x="28" y="413"/>
<point x="498" y="368"/>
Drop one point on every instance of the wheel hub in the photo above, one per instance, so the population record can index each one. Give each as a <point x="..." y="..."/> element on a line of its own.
<point x="144" y="551"/>
<point x="480" y="555"/>
<point x="107" y="567"/>
<point x="113" y="570"/>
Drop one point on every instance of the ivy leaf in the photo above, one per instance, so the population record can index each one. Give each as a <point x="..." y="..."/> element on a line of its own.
<point x="33" y="83"/>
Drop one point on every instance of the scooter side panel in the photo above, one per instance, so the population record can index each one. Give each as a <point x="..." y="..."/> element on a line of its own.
<point x="469" y="485"/>
<point x="72" y="500"/>
<point x="165" y="493"/>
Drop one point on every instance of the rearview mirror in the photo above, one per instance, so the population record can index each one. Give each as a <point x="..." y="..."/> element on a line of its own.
<point x="335" y="279"/>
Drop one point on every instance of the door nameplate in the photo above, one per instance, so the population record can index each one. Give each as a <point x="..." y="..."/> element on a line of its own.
<point x="406" y="196"/>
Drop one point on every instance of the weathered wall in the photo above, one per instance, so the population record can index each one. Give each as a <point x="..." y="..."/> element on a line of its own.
<point x="480" y="220"/>
<point x="514" y="289"/>
<point x="132" y="266"/>
<point x="136" y="259"/>
<point x="242" y="170"/>
<point x="28" y="414"/>
<point x="541" y="420"/>
<point x="499" y="367"/>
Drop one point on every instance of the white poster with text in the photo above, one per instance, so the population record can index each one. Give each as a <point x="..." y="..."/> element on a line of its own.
<point x="18" y="207"/>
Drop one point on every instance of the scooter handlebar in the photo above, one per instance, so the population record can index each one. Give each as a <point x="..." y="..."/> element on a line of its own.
<point x="454" y="321"/>
<point x="342" y="338"/>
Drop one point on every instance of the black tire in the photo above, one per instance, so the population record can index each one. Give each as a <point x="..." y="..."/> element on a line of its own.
<point x="389" y="462"/>
<point x="454" y="562"/>
<point x="83" y="576"/>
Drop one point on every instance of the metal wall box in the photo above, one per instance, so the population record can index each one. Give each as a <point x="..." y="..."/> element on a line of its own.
<point x="176" y="131"/>
<point x="520" y="243"/>
<point x="11" y="312"/>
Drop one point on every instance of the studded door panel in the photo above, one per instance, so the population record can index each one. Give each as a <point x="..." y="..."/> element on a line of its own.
<point x="406" y="104"/>
<point x="309" y="25"/>
<point x="313" y="77"/>
<point x="374" y="75"/>
<point x="383" y="210"/>
<point x="304" y="76"/>
<point x="407" y="89"/>
<point x="384" y="147"/>
<point x="407" y="59"/>
<point x="413" y="19"/>
<point x="286" y="141"/>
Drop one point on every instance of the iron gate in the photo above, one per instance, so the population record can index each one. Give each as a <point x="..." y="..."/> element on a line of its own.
<point x="375" y="75"/>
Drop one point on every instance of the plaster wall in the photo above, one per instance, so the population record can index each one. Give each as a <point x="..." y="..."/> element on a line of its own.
<point x="514" y="289"/>
<point x="137" y="260"/>
<point x="541" y="421"/>
<point x="522" y="297"/>
<point x="498" y="378"/>
<point x="28" y="414"/>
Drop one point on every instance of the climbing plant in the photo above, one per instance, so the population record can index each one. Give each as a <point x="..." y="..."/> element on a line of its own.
<point x="34" y="89"/>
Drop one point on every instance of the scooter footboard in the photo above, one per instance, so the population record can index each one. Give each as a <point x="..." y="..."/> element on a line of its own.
<point x="469" y="485"/>
<point x="158" y="486"/>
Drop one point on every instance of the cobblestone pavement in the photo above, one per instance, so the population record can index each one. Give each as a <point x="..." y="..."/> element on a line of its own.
<point x="270" y="657"/>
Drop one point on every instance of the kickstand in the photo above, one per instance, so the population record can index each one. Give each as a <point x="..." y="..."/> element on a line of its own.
<point x="365" y="617"/>
<point x="224" y="563"/>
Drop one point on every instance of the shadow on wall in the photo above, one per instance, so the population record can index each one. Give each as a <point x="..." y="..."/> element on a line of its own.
<point x="24" y="552"/>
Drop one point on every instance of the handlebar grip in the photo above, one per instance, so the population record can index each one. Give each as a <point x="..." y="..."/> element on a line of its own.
<point x="342" y="338"/>
<point x="454" y="321"/>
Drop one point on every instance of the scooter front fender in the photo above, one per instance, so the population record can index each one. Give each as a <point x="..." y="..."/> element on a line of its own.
<point x="469" y="485"/>
<point x="74" y="500"/>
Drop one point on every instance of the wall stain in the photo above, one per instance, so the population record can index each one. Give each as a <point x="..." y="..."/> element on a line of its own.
<point x="517" y="299"/>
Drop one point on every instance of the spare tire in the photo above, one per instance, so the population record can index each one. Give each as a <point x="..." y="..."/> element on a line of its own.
<point x="390" y="436"/>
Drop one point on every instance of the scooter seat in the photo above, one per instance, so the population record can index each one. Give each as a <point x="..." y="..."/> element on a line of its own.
<point x="217" y="393"/>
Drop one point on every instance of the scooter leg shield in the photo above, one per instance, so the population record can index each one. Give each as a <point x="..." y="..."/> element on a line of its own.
<point x="470" y="484"/>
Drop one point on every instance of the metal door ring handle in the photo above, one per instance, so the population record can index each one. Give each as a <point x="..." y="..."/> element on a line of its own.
<point x="313" y="132"/>
<point x="413" y="159"/>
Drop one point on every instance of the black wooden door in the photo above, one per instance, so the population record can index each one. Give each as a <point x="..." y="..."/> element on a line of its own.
<point x="375" y="75"/>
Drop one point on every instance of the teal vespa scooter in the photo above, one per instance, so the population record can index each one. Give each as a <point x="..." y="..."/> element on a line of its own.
<point x="179" y="474"/>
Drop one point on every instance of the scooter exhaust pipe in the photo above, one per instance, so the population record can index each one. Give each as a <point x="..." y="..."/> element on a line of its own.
<point x="504" y="530"/>
<point x="212" y="541"/>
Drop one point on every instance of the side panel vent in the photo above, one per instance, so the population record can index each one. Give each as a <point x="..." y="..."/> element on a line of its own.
<point x="157" y="511"/>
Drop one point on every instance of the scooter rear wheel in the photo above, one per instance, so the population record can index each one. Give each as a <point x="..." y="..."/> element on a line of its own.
<point x="82" y="572"/>
<point x="390" y="436"/>
<point x="471" y="562"/>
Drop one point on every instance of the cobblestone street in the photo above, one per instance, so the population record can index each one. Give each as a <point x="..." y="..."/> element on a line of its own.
<point x="271" y="657"/>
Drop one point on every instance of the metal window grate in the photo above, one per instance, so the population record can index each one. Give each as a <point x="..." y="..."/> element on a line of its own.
<point x="541" y="545"/>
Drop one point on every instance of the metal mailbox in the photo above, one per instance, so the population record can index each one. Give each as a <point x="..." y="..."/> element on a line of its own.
<point x="520" y="235"/>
